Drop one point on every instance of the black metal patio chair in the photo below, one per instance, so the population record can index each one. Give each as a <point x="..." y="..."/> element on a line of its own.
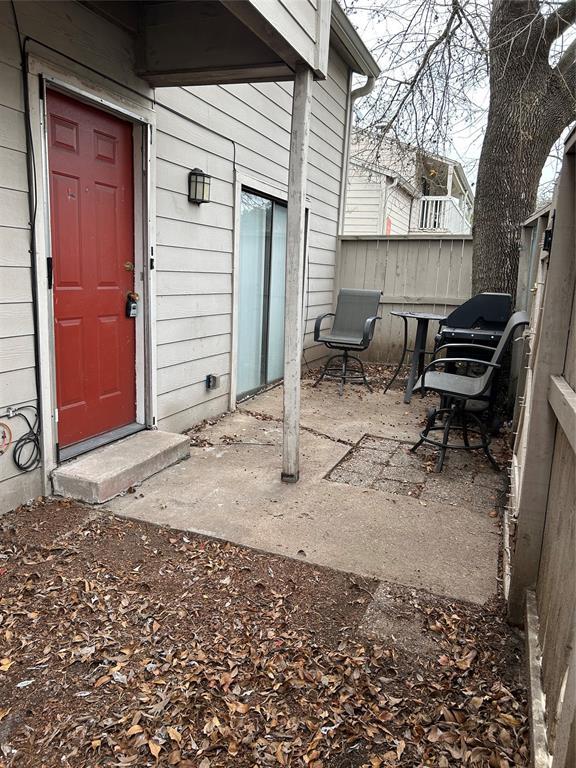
<point x="352" y="331"/>
<point x="463" y="395"/>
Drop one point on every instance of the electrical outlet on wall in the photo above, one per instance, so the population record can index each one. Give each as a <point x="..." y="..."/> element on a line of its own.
<point x="212" y="381"/>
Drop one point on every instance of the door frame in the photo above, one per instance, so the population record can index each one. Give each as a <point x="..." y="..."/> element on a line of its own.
<point x="95" y="92"/>
<point x="280" y="194"/>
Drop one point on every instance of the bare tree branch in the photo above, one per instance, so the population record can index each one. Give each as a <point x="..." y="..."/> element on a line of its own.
<point x="565" y="72"/>
<point x="448" y="30"/>
<point x="567" y="64"/>
<point x="440" y="60"/>
<point x="559" y="21"/>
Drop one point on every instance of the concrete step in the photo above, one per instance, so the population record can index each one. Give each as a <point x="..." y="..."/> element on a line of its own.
<point x="102" y="474"/>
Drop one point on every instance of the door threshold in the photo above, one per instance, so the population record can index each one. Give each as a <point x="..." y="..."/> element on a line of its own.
<point x="91" y="443"/>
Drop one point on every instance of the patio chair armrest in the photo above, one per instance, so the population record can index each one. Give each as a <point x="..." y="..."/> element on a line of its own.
<point x="318" y="324"/>
<point x="369" y="329"/>
<point x="454" y="345"/>
<point x="438" y="360"/>
<point x="433" y="363"/>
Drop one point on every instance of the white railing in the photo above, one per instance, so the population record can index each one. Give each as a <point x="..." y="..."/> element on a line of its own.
<point x="441" y="214"/>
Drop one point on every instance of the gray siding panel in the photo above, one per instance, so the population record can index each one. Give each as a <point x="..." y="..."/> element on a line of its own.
<point x="242" y="129"/>
<point x="195" y="244"/>
<point x="86" y="37"/>
<point x="17" y="381"/>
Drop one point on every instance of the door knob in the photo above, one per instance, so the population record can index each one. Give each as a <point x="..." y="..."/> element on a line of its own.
<point x="129" y="266"/>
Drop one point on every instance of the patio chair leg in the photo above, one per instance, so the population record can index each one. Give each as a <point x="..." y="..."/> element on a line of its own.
<point x="465" y="430"/>
<point x="343" y="377"/>
<point x="362" y="371"/>
<point x="445" y="439"/>
<point x="430" y="421"/>
<point x="324" y="370"/>
<point x="337" y="368"/>
<point x="364" y="376"/>
<point x="486" y="446"/>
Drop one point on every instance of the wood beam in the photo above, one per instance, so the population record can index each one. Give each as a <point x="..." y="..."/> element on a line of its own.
<point x="295" y="244"/>
<point x="562" y="398"/>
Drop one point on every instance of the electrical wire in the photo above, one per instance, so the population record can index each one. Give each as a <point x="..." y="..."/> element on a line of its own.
<point x="30" y="441"/>
<point x="26" y="453"/>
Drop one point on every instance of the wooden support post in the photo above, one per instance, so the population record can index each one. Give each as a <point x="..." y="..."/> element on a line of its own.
<point x="449" y="180"/>
<point x="295" y="242"/>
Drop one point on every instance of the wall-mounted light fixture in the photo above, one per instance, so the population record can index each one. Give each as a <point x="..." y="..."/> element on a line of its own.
<point x="198" y="186"/>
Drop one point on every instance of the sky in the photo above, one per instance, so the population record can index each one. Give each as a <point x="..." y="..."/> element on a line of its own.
<point x="466" y="141"/>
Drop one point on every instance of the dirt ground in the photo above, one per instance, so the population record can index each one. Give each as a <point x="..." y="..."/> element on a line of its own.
<point x="127" y="644"/>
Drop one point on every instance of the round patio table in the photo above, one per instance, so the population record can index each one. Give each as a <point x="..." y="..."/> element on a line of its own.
<point x="419" y="351"/>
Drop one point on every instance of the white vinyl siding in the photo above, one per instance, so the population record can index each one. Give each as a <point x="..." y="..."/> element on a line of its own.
<point x="364" y="207"/>
<point x="373" y="202"/>
<point x="398" y="208"/>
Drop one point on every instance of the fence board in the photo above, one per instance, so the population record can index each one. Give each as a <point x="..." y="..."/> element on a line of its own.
<point x="414" y="273"/>
<point x="543" y="500"/>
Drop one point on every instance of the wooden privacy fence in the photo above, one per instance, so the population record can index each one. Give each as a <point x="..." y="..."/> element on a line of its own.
<point x="416" y="272"/>
<point x="540" y="568"/>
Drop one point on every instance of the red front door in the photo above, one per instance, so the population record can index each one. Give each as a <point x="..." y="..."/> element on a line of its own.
<point x="92" y="218"/>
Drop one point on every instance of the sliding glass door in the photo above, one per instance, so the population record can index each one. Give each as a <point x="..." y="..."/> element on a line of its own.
<point x="261" y="292"/>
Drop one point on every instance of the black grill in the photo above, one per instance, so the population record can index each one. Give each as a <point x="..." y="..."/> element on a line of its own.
<point x="480" y="320"/>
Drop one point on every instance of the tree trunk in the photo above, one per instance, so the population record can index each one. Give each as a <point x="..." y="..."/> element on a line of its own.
<point x="506" y="191"/>
<point x="530" y="105"/>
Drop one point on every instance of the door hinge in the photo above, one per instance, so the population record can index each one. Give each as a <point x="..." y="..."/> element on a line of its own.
<point x="49" y="271"/>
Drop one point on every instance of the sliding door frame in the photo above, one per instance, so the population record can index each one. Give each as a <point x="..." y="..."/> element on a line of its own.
<point x="278" y="194"/>
<point x="265" y="294"/>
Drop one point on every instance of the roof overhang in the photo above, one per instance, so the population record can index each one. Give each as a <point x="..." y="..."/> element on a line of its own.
<point x="178" y="42"/>
<point x="459" y="170"/>
<point x="396" y="177"/>
<point x="346" y="40"/>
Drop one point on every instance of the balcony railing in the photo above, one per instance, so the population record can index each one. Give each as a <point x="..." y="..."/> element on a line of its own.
<point x="442" y="214"/>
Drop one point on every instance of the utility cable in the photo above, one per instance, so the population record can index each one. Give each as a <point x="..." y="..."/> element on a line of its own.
<point x="26" y="453"/>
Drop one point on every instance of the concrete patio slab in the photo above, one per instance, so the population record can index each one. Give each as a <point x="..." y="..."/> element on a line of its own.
<point x="358" y="412"/>
<point x="231" y="489"/>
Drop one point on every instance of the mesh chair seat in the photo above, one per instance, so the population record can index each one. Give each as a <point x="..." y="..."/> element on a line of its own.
<point x="341" y="339"/>
<point x="455" y="384"/>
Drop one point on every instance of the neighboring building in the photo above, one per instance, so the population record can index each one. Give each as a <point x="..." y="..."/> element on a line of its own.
<point x="125" y="99"/>
<point x="378" y="202"/>
<point x="403" y="191"/>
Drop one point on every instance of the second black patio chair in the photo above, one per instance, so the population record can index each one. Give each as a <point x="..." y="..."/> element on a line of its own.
<point x="352" y="331"/>
<point x="464" y="396"/>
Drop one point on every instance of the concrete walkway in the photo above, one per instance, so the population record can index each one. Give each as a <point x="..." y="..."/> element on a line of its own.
<point x="381" y="514"/>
